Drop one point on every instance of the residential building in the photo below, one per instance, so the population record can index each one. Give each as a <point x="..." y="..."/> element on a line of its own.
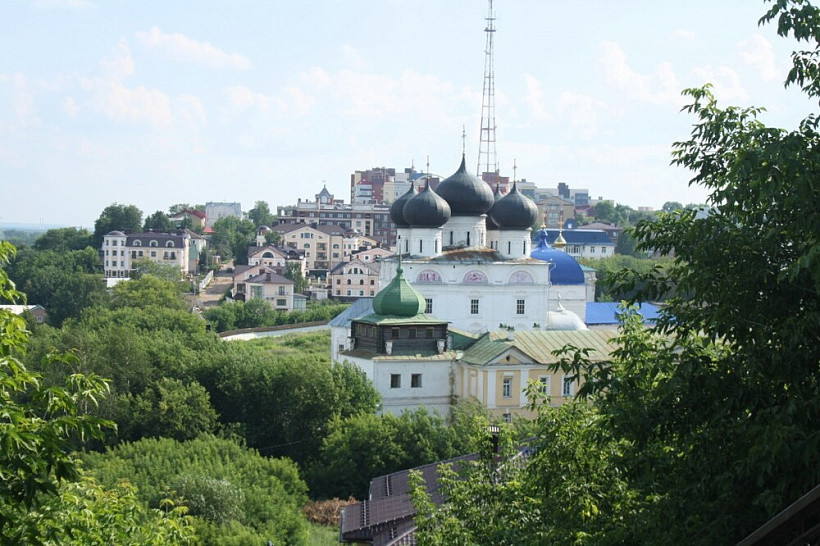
<point x="214" y="211"/>
<point x="374" y="254"/>
<point x="371" y="220"/>
<point x="120" y="250"/>
<point x="554" y="210"/>
<point x="354" y="279"/>
<point x="322" y="246"/>
<point x="583" y="243"/>
<point x="195" y="217"/>
<point x="37" y="311"/>
<point x="265" y="283"/>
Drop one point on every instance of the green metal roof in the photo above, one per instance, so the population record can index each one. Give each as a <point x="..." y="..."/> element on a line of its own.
<point x="406" y="355"/>
<point x="390" y="320"/>
<point x="399" y="299"/>
<point x="539" y="345"/>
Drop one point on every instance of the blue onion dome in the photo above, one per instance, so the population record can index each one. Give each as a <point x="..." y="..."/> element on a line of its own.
<point x="397" y="209"/>
<point x="466" y="194"/>
<point x="514" y="211"/>
<point x="399" y="298"/>
<point x="426" y="209"/>
<point x="497" y="196"/>
<point x="565" y="269"/>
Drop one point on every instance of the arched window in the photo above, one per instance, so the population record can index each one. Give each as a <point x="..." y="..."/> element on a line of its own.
<point x="169" y="244"/>
<point x="267" y="255"/>
<point x="475" y="277"/>
<point x="521" y="277"/>
<point x="428" y="275"/>
<point x="137" y="243"/>
<point x="153" y="244"/>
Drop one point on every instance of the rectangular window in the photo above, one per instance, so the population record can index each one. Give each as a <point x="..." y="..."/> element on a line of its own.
<point x="281" y="290"/>
<point x="473" y="307"/>
<point x="567" y="387"/>
<point x="394" y="333"/>
<point x="428" y="332"/>
<point x="519" y="307"/>
<point x="545" y="384"/>
<point x="281" y="303"/>
<point x="428" y="306"/>
<point x="415" y="381"/>
<point x="411" y="333"/>
<point x="507" y="417"/>
<point x="372" y="282"/>
<point x="395" y="381"/>
<point x="506" y="387"/>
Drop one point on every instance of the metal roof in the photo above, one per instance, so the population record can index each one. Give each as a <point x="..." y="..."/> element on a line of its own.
<point x="539" y="345"/>
<point x="581" y="236"/>
<point x="607" y="312"/>
<point x="360" y="307"/>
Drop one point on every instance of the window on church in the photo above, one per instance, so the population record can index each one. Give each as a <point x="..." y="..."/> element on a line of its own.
<point x="519" y="307"/>
<point x="395" y="381"/>
<point x="415" y="381"/>
<point x="428" y="306"/>
<point x="473" y="307"/>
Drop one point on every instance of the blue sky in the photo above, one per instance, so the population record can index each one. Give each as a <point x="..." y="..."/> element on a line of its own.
<point x="154" y="102"/>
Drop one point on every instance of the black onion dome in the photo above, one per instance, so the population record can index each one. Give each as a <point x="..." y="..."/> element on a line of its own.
<point x="466" y="194"/>
<point x="514" y="211"/>
<point x="397" y="208"/>
<point x="497" y="196"/>
<point x="426" y="210"/>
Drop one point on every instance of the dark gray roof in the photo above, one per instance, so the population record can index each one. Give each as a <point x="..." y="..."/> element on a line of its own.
<point x="514" y="211"/>
<point x="466" y="194"/>
<point x="426" y="210"/>
<point x="161" y="239"/>
<point x="269" y="277"/>
<point x="580" y="236"/>
<point x="360" y="307"/>
<point x="397" y="208"/>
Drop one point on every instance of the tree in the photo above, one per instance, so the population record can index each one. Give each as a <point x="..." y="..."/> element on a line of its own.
<point x="232" y="237"/>
<point x="147" y="291"/>
<point x="261" y="214"/>
<point x="159" y="222"/>
<point x="64" y="239"/>
<point x="671" y="206"/>
<point x="147" y="266"/>
<point x="700" y="430"/>
<point x="38" y="423"/>
<point x="293" y="271"/>
<point x="116" y="217"/>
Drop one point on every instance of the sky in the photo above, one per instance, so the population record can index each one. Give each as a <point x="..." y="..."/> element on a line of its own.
<point x="154" y="103"/>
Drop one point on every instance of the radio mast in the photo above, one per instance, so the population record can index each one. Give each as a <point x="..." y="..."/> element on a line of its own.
<point x="486" y="146"/>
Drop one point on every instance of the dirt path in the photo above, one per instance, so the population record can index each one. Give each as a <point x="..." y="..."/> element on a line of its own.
<point x="213" y="292"/>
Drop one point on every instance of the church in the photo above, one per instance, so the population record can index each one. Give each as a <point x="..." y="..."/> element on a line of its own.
<point x="469" y="307"/>
<point x="469" y="253"/>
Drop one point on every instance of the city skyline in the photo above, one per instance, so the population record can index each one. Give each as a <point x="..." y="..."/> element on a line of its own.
<point x="155" y="104"/>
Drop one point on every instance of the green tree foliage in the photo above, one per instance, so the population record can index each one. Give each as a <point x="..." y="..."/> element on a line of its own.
<point x="84" y="513"/>
<point x="168" y="408"/>
<point x="261" y="215"/>
<point x="293" y="271"/>
<point x="64" y="282"/>
<point x="362" y="446"/>
<point x="611" y="269"/>
<point x="116" y="217"/>
<point x="159" y="222"/>
<point x="146" y="266"/>
<point x="228" y="488"/>
<point x="232" y="237"/>
<point x="36" y="426"/>
<point x="282" y="392"/>
<point x="64" y="239"/>
<point x="256" y="313"/>
<point x="671" y="206"/>
<point x="701" y="430"/>
<point x="20" y="238"/>
<point x="147" y="291"/>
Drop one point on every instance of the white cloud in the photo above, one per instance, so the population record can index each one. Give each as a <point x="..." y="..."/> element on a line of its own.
<point x="534" y="98"/>
<point x="137" y="104"/>
<point x="241" y="98"/>
<point x="23" y="100"/>
<point x="121" y="64"/>
<point x="660" y="87"/>
<point x="352" y="58"/>
<point x="191" y="108"/>
<point x="68" y="4"/>
<point x="683" y="35"/>
<point x="70" y="107"/>
<point x="581" y="112"/>
<point x="757" y="52"/>
<point x="181" y="48"/>
<point x="725" y="81"/>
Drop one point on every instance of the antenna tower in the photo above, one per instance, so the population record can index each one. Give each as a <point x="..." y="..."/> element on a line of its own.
<point x="486" y="145"/>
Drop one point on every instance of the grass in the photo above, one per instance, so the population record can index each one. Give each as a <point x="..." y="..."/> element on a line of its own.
<point x="321" y="535"/>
